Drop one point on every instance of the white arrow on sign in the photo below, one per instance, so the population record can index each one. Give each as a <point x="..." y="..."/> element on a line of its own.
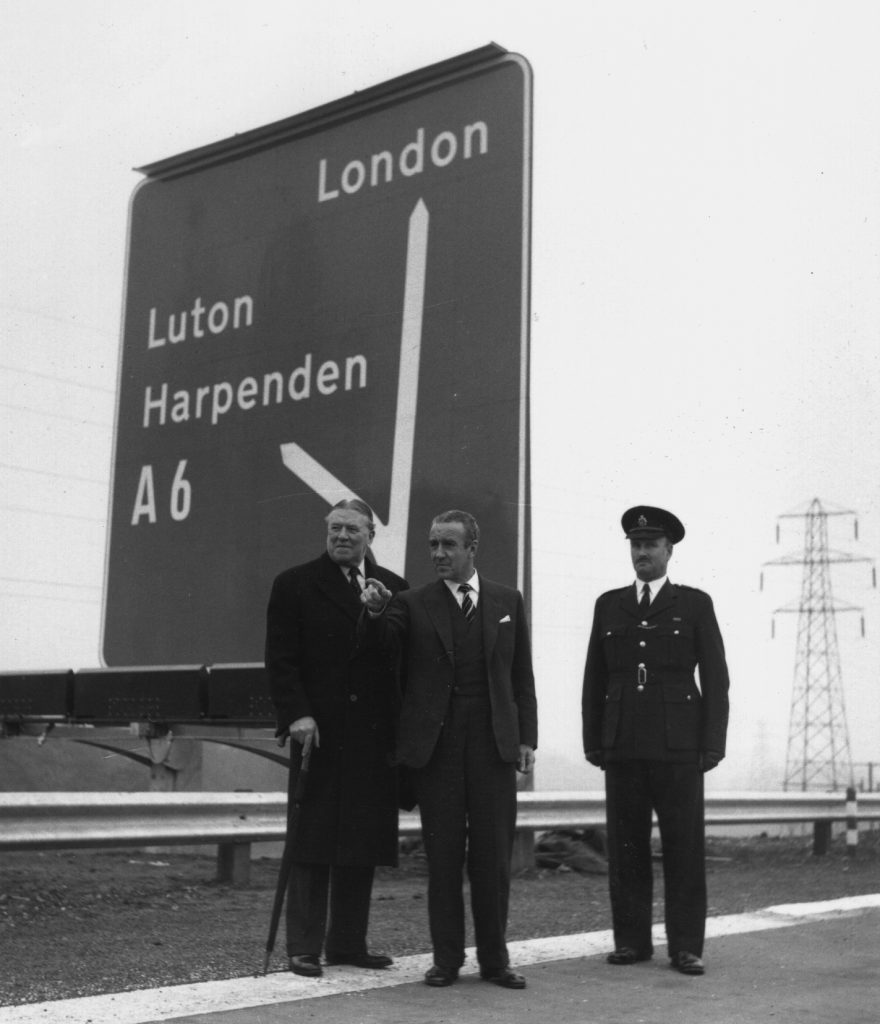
<point x="393" y="533"/>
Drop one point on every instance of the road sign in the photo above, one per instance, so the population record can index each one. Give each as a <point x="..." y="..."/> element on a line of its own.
<point x="333" y="306"/>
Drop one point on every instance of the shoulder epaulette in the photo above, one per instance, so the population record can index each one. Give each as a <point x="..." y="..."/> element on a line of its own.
<point x="616" y="590"/>
<point x="696" y="590"/>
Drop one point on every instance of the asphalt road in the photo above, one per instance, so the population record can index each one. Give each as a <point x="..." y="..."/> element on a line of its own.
<point x="794" y="964"/>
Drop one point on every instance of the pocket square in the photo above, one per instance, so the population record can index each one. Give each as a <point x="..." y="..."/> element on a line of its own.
<point x="505" y="619"/>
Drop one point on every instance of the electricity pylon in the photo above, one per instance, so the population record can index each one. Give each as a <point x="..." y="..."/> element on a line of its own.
<point x="818" y="754"/>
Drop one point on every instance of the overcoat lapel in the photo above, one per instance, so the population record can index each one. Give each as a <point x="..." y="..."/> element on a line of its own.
<point x="332" y="584"/>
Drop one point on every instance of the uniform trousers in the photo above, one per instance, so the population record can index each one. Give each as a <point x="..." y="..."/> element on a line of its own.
<point x="633" y="790"/>
<point x="467" y="801"/>
<point x="349" y="888"/>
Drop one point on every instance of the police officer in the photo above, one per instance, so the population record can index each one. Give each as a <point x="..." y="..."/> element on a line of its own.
<point x="654" y="731"/>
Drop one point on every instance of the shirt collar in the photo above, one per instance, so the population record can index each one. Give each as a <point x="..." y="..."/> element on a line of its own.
<point x="360" y="568"/>
<point x="655" y="586"/>
<point x="473" y="583"/>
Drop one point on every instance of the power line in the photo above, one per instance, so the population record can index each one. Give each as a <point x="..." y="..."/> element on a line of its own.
<point x="49" y="583"/>
<point x="48" y="597"/>
<point x="67" y="321"/>
<point x="54" y="415"/>
<point x="58" y="380"/>
<point x="43" y="512"/>
<point x="57" y="476"/>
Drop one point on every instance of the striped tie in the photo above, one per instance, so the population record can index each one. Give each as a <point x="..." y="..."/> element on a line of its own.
<point x="467" y="605"/>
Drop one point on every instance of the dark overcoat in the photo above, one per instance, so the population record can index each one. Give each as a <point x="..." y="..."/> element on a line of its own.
<point x="640" y="697"/>
<point x="350" y="808"/>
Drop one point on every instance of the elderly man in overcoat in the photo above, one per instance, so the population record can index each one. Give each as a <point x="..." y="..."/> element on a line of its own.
<point x="343" y="700"/>
<point x="655" y="731"/>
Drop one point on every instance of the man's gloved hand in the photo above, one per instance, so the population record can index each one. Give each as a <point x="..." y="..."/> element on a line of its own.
<point x="597" y="758"/>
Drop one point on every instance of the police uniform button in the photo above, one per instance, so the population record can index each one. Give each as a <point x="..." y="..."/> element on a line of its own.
<point x="642" y="643"/>
<point x="640" y="687"/>
<point x="353" y="697"/>
<point x="608" y="633"/>
<point x="644" y="622"/>
<point x="641" y="664"/>
<point x="675" y="631"/>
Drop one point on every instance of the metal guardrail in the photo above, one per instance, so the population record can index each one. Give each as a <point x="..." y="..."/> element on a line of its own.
<point x="233" y="821"/>
<point x="66" y="820"/>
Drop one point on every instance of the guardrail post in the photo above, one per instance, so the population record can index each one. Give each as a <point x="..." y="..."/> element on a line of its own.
<point x="821" y="838"/>
<point x="523" y="857"/>
<point x="234" y="863"/>
<point x="852" y="822"/>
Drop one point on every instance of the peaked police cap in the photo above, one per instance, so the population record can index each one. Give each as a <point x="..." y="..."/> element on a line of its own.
<point x="646" y="521"/>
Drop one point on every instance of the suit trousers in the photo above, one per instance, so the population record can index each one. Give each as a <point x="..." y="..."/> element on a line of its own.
<point x="633" y="790"/>
<point x="467" y="801"/>
<point x="349" y="887"/>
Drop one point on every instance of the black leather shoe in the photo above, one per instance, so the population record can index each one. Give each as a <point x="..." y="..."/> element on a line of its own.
<point x="307" y="965"/>
<point x="504" y="977"/>
<point x="440" y="977"/>
<point x="626" y="955"/>
<point x="687" y="963"/>
<point x="371" y="961"/>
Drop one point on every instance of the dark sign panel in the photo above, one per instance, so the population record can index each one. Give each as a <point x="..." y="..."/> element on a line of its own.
<point x="333" y="307"/>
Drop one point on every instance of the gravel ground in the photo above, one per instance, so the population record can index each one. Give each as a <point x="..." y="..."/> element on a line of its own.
<point x="76" y="923"/>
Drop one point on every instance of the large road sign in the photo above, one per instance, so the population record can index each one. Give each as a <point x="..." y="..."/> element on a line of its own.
<point x="332" y="306"/>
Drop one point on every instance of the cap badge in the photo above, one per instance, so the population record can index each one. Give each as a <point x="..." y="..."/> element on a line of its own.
<point x="643" y="521"/>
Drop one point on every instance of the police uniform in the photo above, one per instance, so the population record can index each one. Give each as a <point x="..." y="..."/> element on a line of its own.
<point x="654" y="731"/>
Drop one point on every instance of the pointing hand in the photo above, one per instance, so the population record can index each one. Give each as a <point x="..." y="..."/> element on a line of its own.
<point x="375" y="596"/>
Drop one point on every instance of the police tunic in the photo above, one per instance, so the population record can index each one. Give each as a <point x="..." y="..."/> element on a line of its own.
<point x="640" y="698"/>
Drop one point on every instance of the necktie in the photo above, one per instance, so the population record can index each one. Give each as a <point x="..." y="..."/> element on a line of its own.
<point x="353" y="580"/>
<point x="645" y="602"/>
<point x="467" y="605"/>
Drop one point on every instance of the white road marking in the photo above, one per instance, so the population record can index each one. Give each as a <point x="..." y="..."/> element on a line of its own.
<point x="158" y="1004"/>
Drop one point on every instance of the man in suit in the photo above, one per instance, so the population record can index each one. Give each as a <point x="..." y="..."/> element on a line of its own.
<point x="468" y="722"/>
<point x="655" y="732"/>
<point x="343" y="701"/>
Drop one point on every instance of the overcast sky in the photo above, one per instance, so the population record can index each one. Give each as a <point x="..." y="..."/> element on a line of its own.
<point x="705" y="302"/>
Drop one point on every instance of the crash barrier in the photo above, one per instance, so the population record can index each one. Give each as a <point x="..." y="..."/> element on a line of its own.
<point x="233" y="821"/>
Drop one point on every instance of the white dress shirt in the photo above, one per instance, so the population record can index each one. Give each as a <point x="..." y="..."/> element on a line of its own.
<point x="473" y="593"/>
<point x="361" y="578"/>
<point x="654" y="586"/>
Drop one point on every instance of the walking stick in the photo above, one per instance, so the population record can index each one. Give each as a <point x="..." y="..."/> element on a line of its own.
<point x="287" y="856"/>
